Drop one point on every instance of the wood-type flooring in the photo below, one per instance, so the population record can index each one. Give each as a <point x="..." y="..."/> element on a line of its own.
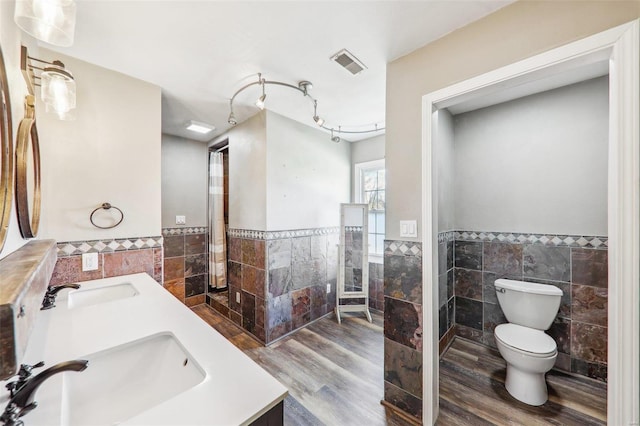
<point x="334" y="374"/>
<point x="472" y="392"/>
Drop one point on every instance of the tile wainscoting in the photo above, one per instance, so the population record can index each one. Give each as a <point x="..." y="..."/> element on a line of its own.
<point x="403" y="325"/>
<point x="186" y="263"/>
<point x="116" y="257"/>
<point x="578" y="265"/>
<point x="281" y="278"/>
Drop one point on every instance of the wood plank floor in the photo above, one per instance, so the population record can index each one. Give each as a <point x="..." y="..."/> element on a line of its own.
<point x="472" y="392"/>
<point x="334" y="374"/>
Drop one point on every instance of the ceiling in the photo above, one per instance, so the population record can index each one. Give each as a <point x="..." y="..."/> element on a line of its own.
<point x="201" y="52"/>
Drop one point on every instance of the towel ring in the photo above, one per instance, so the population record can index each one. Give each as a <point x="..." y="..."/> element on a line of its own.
<point x="106" y="206"/>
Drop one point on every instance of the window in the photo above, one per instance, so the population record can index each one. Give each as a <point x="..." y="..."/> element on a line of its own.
<point x="370" y="189"/>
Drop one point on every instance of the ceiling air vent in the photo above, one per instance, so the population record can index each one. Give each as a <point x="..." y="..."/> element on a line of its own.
<point x="348" y="61"/>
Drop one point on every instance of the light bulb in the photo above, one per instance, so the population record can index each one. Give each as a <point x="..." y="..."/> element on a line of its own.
<point x="52" y="21"/>
<point x="58" y="89"/>
<point x="260" y="101"/>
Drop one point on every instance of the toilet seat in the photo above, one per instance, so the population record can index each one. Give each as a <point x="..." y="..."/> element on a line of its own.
<point x="528" y="341"/>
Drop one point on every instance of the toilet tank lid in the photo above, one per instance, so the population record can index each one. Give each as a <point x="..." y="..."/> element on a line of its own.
<point x="527" y="287"/>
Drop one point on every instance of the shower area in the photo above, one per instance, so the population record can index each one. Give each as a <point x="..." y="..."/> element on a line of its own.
<point x="218" y="223"/>
<point x="522" y="194"/>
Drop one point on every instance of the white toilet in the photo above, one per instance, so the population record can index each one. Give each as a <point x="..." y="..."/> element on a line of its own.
<point x="529" y="352"/>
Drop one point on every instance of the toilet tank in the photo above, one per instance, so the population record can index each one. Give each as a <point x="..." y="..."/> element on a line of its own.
<point x="528" y="304"/>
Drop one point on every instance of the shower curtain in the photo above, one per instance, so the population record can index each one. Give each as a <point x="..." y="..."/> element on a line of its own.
<point x="217" y="237"/>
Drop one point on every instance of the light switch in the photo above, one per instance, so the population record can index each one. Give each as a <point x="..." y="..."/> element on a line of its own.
<point x="237" y="297"/>
<point x="89" y="261"/>
<point x="181" y="220"/>
<point x="408" y="228"/>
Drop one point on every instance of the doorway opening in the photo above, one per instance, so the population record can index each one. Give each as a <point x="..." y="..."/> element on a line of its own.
<point x="618" y="49"/>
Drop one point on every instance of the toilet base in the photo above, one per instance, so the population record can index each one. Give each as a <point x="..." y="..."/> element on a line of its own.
<point x="530" y="388"/>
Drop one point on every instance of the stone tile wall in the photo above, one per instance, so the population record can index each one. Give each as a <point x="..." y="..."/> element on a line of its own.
<point x="446" y="301"/>
<point x="186" y="264"/>
<point x="403" y="325"/>
<point x="576" y="265"/>
<point x="115" y="258"/>
<point x="246" y="277"/>
<point x="376" y="286"/>
<point x="298" y="271"/>
<point x="281" y="278"/>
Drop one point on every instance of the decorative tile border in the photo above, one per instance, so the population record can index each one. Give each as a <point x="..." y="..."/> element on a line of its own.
<point x="183" y="231"/>
<point x="353" y="228"/>
<point x="402" y="248"/>
<point x="74" y="248"/>
<point x="446" y="236"/>
<point x="543" y="239"/>
<point x="276" y="235"/>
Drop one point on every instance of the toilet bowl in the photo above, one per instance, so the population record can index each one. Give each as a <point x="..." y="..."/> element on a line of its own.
<point x="528" y="351"/>
<point x="529" y="354"/>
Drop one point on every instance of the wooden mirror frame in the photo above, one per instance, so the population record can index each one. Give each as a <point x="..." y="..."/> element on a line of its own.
<point x="28" y="219"/>
<point x="6" y="155"/>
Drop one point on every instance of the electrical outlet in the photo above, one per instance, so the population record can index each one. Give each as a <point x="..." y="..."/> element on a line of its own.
<point x="237" y="297"/>
<point x="328" y="288"/>
<point x="181" y="220"/>
<point x="89" y="261"/>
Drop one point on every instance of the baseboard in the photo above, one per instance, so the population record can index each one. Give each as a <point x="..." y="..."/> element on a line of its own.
<point x="409" y="418"/>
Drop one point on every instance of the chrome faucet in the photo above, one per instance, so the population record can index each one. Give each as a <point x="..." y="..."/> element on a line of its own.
<point x="22" y="400"/>
<point x="49" y="300"/>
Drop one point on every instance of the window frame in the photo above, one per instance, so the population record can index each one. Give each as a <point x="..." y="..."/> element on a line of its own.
<point x="358" y="193"/>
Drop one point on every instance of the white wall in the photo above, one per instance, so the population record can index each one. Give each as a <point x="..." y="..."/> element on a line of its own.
<point x="499" y="39"/>
<point x="446" y="172"/>
<point x="308" y="176"/>
<point x="10" y="41"/>
<point x="367" y="149"/>
<point x="109" y="153"/>
<point x="184" y="181"/>
<point x="537" y="164"/>
<point x="247" y="173"/>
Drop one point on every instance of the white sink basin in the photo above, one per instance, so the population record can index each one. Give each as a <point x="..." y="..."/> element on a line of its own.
<point x="124" y="381"/>
<point x="94" y="296"/>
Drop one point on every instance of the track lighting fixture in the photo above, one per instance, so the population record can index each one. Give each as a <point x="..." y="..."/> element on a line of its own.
<point x="319" y="120"/>
<point x="260" y="100"/>
<point x="57" y="85"/>
<point x="232" y="119"/>
<point x="303" y="87"/>
<point x="335" y="139"/>
<point x="52" y="21"/>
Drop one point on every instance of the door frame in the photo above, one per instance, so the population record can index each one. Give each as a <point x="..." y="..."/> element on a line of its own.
<point x="621" y="47"/>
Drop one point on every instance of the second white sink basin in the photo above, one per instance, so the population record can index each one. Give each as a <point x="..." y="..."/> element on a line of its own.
<point x="122" y="382"/>
<point x="94" y="296"/>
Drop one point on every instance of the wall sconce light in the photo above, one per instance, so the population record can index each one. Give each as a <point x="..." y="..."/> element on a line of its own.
<point x="57" y="85"/>
<point x="52" y="21"/>
<point x="303" y="87"/>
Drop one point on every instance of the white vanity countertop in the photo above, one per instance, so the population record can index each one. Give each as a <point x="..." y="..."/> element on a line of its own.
<point x="235" y="391"/>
